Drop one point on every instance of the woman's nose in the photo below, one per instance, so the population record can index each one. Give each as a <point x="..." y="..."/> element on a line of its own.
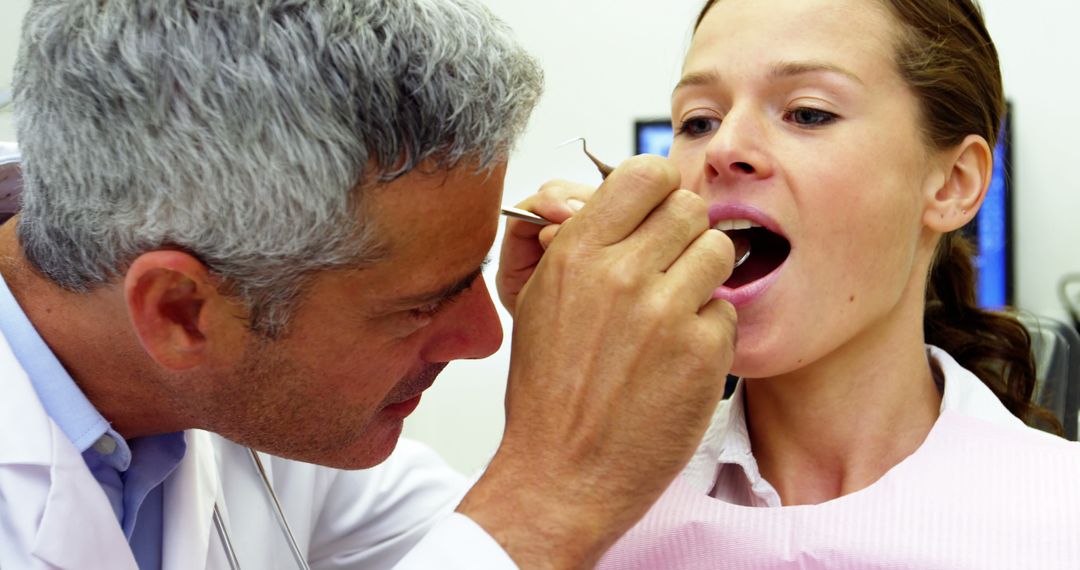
<point x="737" y="151"/>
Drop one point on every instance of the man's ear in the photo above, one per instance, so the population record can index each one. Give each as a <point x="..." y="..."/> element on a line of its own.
<point x="953" y="200"/>
<point x="167" y="293"/>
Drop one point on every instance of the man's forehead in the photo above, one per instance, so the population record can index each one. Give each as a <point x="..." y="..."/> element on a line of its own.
<point x="436" y="201"/>
<point x="437" y="227"/>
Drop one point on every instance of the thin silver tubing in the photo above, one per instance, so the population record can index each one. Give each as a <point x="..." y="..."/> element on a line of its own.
<point x="301" y="562"/>
<point x="226" y="540"/>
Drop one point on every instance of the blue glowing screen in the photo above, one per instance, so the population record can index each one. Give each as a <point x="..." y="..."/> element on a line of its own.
<point x="989" y="231"/>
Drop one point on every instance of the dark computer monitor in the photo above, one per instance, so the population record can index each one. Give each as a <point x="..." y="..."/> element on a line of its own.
<point x="990" y="232"/>
<point x="10" y="187"/>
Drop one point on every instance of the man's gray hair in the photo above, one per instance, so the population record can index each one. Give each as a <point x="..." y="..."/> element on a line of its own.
<point x="240" y="130"/>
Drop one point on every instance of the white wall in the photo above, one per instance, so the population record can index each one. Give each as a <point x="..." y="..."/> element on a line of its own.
<point x="10" y="18"/>
<point x="610" y="62"/>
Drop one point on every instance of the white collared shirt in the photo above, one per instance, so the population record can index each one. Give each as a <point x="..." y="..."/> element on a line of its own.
<point x="725" y="462"/>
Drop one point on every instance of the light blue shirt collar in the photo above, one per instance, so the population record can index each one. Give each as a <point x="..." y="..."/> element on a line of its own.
<point x="131" y="482"/>
<point x="61" y="397"/>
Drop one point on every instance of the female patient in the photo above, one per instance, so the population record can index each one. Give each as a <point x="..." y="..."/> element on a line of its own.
<point x="878" y="424"/>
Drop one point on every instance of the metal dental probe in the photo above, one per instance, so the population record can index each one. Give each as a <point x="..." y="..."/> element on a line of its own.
<point x="742" y="245"/>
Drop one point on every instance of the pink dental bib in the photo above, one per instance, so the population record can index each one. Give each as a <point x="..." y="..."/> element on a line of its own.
<point x="975" y="495"/>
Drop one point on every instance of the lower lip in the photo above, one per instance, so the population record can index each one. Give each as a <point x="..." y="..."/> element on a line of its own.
<point x="403" y="408"/>
<point x="750" y="292"/>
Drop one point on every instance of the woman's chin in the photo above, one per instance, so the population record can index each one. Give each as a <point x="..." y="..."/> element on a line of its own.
<point x="749" y="364"/>
<point x="762" y="358"/>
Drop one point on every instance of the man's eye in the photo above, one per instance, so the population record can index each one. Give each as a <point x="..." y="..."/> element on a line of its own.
<point x="698" y="126"/>
<point x="808" y="117"/>
<point x="426" y="312"/>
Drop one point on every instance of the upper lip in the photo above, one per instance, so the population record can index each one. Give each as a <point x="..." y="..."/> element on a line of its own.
<point x="718" y="212"/>
<point x="419" y="384"/>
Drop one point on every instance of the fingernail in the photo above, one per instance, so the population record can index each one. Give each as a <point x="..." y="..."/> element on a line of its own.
<point x="575" y="204"/>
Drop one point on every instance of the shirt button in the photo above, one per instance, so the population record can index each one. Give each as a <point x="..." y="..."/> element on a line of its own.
<point x="105" y="445"/>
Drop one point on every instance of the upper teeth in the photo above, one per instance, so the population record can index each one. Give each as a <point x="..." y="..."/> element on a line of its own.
<point x="725" y="225"/>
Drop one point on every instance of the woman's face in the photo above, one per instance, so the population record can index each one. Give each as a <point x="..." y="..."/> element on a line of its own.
<point x="792" y="115"/>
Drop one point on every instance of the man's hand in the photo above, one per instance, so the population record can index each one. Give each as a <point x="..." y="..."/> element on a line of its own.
<point x="619" y="359"/>
<point x="524" y="242"/>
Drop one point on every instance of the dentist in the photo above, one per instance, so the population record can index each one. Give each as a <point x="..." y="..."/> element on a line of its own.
<point x="252" y="235"/>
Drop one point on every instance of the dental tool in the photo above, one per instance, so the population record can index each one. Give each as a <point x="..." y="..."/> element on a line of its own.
<point x="604" y="169"/>
<point x="525" y="216"/>
<point x="742" y="244"/>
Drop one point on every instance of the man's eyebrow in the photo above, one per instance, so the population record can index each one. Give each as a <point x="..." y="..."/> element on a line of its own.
<point x="446" y="292"/>
<point x="779" y="71"/>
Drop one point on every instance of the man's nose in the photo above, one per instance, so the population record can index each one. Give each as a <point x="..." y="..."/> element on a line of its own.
<point x="468" y="328"/>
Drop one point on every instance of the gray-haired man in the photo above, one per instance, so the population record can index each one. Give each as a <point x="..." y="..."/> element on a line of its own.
<point x="260" y="225"/>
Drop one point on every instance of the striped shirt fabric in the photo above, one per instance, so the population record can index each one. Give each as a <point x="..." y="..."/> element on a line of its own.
<point x="983" y="492"/>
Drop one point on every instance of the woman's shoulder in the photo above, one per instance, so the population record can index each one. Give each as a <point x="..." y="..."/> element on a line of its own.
<point x="967" y="396"/>
<point x="1026" y="448"/>
<point x="1007" y="470"/>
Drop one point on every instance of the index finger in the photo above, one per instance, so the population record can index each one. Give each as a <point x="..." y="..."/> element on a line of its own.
<point x="625" y="199"/>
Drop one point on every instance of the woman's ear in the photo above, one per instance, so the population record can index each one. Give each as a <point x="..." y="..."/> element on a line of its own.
<point x="954" y="198"/>
<point x="167" y="294"/>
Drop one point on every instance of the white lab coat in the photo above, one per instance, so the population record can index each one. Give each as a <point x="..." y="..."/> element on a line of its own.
<point x="54" y="514"/>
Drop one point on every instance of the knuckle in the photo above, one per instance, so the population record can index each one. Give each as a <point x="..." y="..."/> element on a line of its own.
<point x="715" y="348"/>
<point x="622" y="276"/>
<point x="718" y="323"/>
<point x="699" y="359"/>
<point x="652" y="170"/>
<point x="720" y="245"/>
<point x="648" y="314"/>
<point x="706" y="264"/>
<point x="691" y="207"/>
<point x="687" y="213"/>
<point x="677" y="229"/>
<point x="727" y="314"/>
<point x="560" y="261"/>
<point x="690" y="202"/>
<point x="554" y="188"/>
<point x="662" y="309"/>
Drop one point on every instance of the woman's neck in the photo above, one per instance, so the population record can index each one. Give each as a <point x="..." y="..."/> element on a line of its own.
<point x="836" y="426"/>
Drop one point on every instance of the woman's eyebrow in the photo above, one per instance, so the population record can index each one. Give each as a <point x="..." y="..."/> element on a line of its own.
<point x="696" y="79"/>
<point x="781" y="70"/>
<point x="795" y="68"/>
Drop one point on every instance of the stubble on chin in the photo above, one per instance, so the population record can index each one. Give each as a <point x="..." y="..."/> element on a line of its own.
<point x="269" y="404"/>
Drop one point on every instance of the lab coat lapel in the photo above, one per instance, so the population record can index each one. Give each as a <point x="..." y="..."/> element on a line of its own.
<point x="190" y="495"/>
<point x="63" y="506"/>
<point x="78" y="525"/>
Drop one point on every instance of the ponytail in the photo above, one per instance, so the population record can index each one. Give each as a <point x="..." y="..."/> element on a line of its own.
<point x="994" y="346"/>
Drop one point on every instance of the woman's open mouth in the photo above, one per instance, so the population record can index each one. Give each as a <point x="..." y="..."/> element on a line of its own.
<point x="767" y="251"/>
<point x="769" y="248"/>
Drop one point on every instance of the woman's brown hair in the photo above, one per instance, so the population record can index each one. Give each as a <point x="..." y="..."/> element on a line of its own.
<point x="945" y="54"/>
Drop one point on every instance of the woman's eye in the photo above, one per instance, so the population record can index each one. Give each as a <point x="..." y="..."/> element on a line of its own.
<point x="698" y="126"/>
<point x="807" y="117"/>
